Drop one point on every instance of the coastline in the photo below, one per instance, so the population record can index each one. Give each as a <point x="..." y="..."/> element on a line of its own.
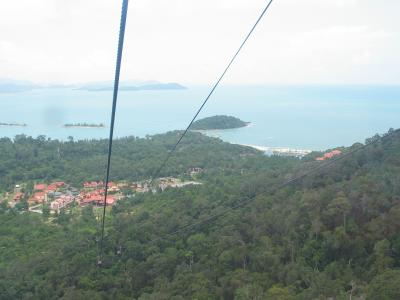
<point x="249" y="124"/>
<point x="281" y="151"/>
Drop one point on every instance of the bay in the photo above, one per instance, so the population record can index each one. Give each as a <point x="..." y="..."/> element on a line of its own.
<point x="299" y="117"/>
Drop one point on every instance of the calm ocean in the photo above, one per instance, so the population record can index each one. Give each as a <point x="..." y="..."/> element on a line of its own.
<point x="302" y="117"/>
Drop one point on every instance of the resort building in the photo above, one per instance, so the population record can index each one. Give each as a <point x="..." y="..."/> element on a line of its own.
<point x="61" y="202"/>
<point x="329" y="155"/>
<point x="93" y="184"/>
<point x="38" y="198"/>
<point x="40" y="187"/>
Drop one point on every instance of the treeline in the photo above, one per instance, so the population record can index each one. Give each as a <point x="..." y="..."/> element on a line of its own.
<point x="32" y="159"/>
<point x="332" y="235"/>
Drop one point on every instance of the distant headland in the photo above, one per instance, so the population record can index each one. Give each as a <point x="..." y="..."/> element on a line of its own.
<point x="13" y="124"/>
<point x="86" y="125"/>
<point x="131" y="86"/>
<point x="17" y="86"/>
<point x="218" y="122"/>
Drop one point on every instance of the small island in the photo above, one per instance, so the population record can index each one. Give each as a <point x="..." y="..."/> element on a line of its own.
<point x="13" y="124"/>
<point x="86" y="125"/>
<point x="218" y="122"/>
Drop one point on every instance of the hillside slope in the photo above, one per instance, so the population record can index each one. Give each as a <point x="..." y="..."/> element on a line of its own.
<point x="333" y="234"/>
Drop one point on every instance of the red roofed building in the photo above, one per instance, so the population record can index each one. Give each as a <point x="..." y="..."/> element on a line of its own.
<point x="336" y="152"/>
<point x="93" y="197"/>
<point x="96" y="199"/>
<point x="111" y="200"/>
<point x="59" y="184"/>
<point x="329" y="155"/>
<point x="113" y="187"/>
<point x="51" y="188"/>
<point x="40" y="187"/>
<point x="38" y="197"/>
<point x="92" y="184"/>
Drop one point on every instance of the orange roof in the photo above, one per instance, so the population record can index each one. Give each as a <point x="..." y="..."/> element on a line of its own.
<point x="92" y="199"/>
<point x="336" y="152"/>
<point x="110" y="200"/>
<point x="52" y="187"/>
<point x="98" y="199"/>
<point x="38" y="197"/>
<point x="92" y="184"/>
<point x="40" y="187"/>
<point x="329" y="155"/>
<point x="39" y="194"/>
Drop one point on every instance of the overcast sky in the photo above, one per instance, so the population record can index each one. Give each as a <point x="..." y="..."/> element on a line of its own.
<point x="190" y="42"/>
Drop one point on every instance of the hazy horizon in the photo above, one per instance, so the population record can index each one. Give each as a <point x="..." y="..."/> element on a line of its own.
<point x="298" y="42"/>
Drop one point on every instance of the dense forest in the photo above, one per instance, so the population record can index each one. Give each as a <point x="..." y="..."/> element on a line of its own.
<point x="218" y="122"/>
<point x="334" y="234"/>
<point x="28" y="159"/>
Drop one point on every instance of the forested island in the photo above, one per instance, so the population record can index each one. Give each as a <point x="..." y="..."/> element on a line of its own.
<point x="89" y="125"/>
<point x="241" y="234"/>
<point x="12" y="124"/>
<point x="218" y="122"/>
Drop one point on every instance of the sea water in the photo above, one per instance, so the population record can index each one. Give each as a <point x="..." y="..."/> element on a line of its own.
<point x="299" y="117"/>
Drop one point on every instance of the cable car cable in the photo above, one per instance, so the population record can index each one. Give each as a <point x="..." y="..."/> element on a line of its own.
<point x="274" y="190"/>
<point x="114" y="106"/>
<point x="156" y="174"/>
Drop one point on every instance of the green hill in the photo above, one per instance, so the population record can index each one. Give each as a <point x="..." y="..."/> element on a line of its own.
<point x="218" y="122"/>
<point x="332" y="234"/>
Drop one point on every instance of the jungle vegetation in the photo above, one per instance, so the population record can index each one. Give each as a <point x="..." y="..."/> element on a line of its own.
<point x="218" y="122"/>
<point x="334" y="234"/>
